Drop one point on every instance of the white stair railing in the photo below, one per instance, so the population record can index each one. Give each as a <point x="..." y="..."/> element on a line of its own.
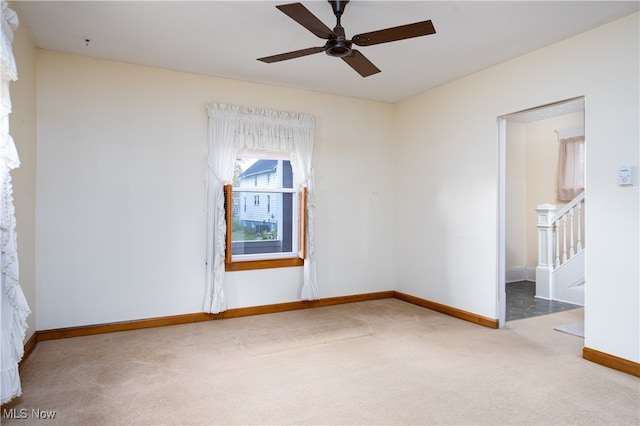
<point x="571" y="217"/>
<point x="560" y="238"/>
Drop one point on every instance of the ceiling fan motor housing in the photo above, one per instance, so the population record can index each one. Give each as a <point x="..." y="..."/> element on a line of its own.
<point x="338" y="47"/>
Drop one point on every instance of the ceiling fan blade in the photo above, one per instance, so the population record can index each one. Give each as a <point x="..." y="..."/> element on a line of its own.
<point x="361" y="64"/>
<point x="304" y="17"/>
<point x="402" y="32"/>
<point x="291" y="55"/>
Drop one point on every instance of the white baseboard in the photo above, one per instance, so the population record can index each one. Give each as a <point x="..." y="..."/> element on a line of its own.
<point x="520" y="273"/>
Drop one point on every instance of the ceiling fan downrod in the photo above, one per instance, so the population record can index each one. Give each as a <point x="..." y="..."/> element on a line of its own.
<point x="338" y="8"/>
<point x="338" y="47"/>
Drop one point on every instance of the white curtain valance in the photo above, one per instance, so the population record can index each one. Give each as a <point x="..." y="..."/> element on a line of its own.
<point x="233" y="129"/>
<point x="260" y="116"/>
<point x="256" y="129"/>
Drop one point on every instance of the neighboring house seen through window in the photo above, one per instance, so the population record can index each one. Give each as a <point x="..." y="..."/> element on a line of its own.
<point x="263" y="234"/>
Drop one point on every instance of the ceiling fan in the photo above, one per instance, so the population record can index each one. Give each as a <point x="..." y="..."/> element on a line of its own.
<point x="338" y="45"/>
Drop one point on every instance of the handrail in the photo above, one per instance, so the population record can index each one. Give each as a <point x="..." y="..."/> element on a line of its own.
<point x="568" y="207"/>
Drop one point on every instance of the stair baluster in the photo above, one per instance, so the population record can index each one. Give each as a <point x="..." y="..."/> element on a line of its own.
<point x="579" y="242"/>
<point x="564" y="238"/>
<point x="572" y="252"/>
<point x="555" y="236"/>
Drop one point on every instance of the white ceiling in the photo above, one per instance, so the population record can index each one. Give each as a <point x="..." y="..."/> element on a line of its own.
<point x="224" y="38"/>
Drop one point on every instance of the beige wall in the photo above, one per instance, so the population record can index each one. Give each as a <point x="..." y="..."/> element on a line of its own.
<point x="23" y="128"/>
<point x="516" y="196"/>
<point x="448" y="149"/>
<point x="121" y="223"/>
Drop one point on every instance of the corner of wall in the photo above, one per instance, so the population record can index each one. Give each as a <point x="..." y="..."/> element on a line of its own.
<point x="23" y="128"/>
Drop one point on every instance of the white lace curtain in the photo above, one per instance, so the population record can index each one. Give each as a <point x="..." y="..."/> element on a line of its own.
<point x="14" y="307"/>
<point x="571" y="168"/>
<point x="233" y="129"/>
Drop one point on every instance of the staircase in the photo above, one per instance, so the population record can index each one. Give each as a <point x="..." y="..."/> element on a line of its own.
<point x="561" y="251"/>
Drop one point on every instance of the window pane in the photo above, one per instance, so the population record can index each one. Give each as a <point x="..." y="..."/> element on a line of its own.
<point x="262" y="173"/>
<point x="264" y="221"/>
<point x="265" y="226"/>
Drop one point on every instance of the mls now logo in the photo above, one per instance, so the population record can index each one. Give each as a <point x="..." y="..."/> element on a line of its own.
<point x="14" y="413"/>
<point x="23" y="413"/>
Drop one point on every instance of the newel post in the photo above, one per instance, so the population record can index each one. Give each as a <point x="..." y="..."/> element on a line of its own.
<point x="546" y="241"/>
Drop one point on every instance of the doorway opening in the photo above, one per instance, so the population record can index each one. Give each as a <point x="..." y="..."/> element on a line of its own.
<point x="528" y="177"/>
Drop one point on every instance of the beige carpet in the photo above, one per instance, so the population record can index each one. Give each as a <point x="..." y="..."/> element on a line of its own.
<point x="378" y="362"/>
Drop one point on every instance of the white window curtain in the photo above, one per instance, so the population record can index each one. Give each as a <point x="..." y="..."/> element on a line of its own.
<point x="571" y="168"/>
<point x="14" y="307"/>
<point x="233" y="129"/>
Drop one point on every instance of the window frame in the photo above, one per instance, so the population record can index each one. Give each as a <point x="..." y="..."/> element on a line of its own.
<point x="273" y="262"/>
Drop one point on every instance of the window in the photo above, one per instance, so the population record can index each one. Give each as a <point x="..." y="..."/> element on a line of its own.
<point x="267" y="235"/>
<point x="237" y="129"/>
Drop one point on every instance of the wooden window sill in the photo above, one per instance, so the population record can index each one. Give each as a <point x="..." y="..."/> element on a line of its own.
<point x="249" y="265"/>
